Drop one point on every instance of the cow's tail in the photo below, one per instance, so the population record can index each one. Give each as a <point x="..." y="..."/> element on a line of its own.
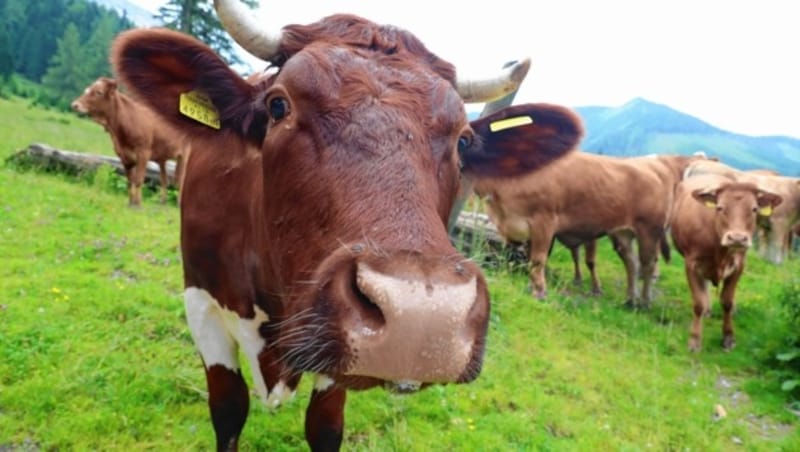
<point x="666" y="250"/>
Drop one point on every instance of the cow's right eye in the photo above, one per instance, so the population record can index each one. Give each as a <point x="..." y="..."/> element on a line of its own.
<point x="278" y="108"/>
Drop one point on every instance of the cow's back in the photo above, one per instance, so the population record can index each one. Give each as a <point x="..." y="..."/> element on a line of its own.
<point x="589" y="193"/>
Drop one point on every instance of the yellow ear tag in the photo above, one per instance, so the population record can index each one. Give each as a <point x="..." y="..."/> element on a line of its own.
<point x="710" y="204"/>
<point x="509" y="123"/>
<point x="198" y="106"/>
<point x="765" y="211"/>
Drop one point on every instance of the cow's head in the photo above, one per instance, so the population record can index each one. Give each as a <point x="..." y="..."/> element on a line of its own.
<point x="96" y="98"/>
<point x="359" y="132"/>
<point x="736" y="206"/>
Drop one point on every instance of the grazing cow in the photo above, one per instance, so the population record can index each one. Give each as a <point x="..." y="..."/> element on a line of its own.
<point x="313" y="218"/>
<point x="774" y="231"/>
<point x="625" y="198"/>
<point x="712" y="227"/>
<point x="136" y="134"/>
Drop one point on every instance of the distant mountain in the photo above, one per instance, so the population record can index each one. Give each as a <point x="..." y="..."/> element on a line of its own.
<point x="642" y="127"/>
<point x="132" y="11"/>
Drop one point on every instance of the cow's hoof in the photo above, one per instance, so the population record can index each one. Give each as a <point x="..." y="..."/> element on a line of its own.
<point x="694" y="345"/>
<point x="728" y="342"/>
<point x="629" y="304"/>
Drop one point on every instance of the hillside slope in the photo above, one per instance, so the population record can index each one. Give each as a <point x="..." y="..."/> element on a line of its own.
<point x="643" y="127"/>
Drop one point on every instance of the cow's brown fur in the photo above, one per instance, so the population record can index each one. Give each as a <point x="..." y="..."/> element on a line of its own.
<point x="712" y="226"/>
<point x="136" y="133"/>
<point x="344" y="159"/>
<point x="582" y="197"/>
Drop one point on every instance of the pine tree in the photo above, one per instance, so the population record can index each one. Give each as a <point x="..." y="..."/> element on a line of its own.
<point x="198" y="18"/>
<point x="67" y="75"/>
<point x="6" y="57"/>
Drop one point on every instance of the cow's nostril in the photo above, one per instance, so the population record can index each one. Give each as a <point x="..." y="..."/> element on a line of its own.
<point x="369" y="311"/>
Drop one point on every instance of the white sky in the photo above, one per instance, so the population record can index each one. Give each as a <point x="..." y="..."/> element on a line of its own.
<point x="734" y="64"/>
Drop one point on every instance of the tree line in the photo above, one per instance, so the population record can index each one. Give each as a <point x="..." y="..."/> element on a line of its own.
<point x="50" y="50"/>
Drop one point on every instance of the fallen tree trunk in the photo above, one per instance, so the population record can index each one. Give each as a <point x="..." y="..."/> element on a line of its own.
<point x="48" y="157"/>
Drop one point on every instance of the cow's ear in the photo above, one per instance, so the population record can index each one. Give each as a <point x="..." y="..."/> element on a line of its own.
<point x="186" y="83"/>
<point x="707" y="196"/>
<point x="520" y="139"/>
<point x="110" y="84"/>
<point x="767" y="201"/>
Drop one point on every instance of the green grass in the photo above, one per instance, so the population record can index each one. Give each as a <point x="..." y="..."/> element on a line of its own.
<point x="95" y="354"/>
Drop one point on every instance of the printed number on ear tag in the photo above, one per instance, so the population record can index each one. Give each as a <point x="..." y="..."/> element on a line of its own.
<point x="198" y="106"/>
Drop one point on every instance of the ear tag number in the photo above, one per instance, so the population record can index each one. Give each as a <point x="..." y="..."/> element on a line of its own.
<point x="198" y="106"/>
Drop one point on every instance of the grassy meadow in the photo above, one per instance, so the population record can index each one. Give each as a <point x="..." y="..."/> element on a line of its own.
<point x="95" y="353"/>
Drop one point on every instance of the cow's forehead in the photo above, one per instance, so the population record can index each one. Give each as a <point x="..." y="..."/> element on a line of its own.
<point x="340" y="77"/>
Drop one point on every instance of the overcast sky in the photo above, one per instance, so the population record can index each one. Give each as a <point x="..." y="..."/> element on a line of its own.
<point x="734" y="64"/>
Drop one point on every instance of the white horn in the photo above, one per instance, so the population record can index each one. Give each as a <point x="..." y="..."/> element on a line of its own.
<point x="239" y="23"/>
<point x="487" y="90"/>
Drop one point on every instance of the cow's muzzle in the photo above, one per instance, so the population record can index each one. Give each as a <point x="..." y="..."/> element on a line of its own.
<point x="407" y="318"/>
<point x="737" y="239"/>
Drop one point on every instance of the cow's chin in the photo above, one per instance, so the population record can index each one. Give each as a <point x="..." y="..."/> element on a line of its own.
<point x="396" y="387"/>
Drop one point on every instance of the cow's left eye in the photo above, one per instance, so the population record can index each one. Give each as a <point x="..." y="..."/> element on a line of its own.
<point x="278" y="107"/>
<point x="464" y="141"/>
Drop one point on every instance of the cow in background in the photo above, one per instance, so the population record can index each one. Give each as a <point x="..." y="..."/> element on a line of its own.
<point x="774" y="232"/>
<point x="313" y="218"/>
<point x="137" y="134"/>
<point x="712" y="228"/>
<point x="582" y="197"/>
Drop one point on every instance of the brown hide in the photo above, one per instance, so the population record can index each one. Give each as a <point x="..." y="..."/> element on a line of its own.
<point x="136" y="133"/>
<point x="317" y="216"/>
<point x="583" y="196"/>
<point x="712" y="224"/>
<point x="774" y="231"/>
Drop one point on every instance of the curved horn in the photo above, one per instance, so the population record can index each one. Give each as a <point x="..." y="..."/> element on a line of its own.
<point x="240" y="24"/>
<point x="487" y="90"/>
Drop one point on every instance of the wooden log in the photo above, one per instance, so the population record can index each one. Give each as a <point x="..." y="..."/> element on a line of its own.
<point x="73" y="162"/>
<point x="476" y="235"/>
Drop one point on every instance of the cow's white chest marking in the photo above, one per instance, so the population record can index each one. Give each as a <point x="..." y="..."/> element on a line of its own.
<point x="217" y="332"/>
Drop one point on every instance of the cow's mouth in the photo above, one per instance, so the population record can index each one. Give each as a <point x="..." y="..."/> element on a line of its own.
<point x="402" y="386"/>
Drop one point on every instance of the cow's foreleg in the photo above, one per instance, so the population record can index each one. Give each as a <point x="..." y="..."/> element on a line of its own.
<point x="623" y="245"/>
<point x="699" y="291"/>
<point x="590" y="248"/>
<point x="228" y="402"/>
<point x="541" y="237"/>
<point x="727" y="302"/>
<point x="228" y="399"/>
<point x="136" y="181"/>
<point x="162" y="176"/>
<point x="576" y="265"/>
<point x="325" y="416"/>
<point x="648" y="255"/>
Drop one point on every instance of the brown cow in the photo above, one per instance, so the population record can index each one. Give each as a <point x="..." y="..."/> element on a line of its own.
<point x="774" y="231"/>
<point x="585" y="196"/>
<point x="712" y="227"/>
<point x="135" y="133"/>
<point x="313" y="219"/>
